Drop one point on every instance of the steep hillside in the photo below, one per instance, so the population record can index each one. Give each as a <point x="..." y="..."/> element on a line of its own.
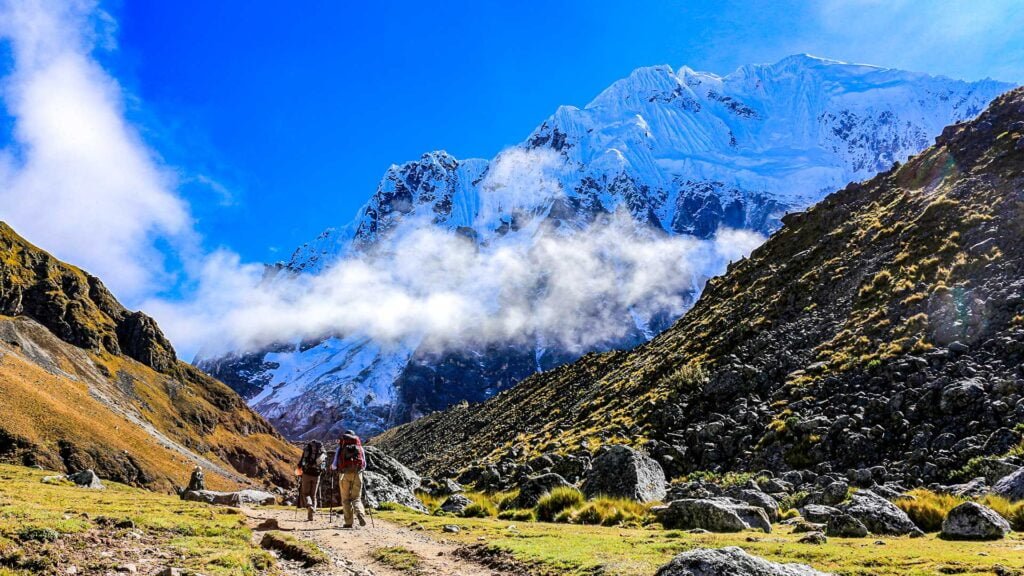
<point x="883" y="326"/>
<point x="89" y="384"/>
<point x="681" y="152"/>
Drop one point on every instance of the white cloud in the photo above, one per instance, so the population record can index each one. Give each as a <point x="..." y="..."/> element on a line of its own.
<point x="438" y="288"/>
<point x="77" y="178"/>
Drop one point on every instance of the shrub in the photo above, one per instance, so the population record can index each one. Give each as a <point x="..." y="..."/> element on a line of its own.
<point x="37" y="534"/>
<point x="557" y="500"/>
<point x="928" y="509"/>
<point x="482" y="507"/>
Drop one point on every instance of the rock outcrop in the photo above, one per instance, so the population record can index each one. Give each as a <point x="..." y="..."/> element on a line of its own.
<point x="624" y="472"/>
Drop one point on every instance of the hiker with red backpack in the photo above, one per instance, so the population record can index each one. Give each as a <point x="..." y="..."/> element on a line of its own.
<point x="350" y="461"/>
<point x="311" y="466"/>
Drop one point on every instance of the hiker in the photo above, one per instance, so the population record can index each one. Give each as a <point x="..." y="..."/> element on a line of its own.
<point x="350" y="461"/>
<point x="311" y="466"/>
<point x="196" y="481"/>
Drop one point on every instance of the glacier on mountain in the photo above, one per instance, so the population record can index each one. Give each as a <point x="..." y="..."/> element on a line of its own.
<point x="682" y="153"/>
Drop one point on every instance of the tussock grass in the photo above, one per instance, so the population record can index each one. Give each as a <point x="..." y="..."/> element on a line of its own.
<point x="482" y="506"/>
<point x="556" y="501"/>
<point x="399" y="558"/>
<point x="1012" y="511"/>
<point x="928" y="509"/>
<point x="608" y="511"/>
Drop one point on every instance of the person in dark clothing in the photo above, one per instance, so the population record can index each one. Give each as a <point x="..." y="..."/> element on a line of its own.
<point x="311" y="465"/>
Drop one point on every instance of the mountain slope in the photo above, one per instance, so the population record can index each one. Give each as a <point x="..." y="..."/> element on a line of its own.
<point x="884" y="326"/>
<point x="681" y="153"/>
<point x="89" y="384"/>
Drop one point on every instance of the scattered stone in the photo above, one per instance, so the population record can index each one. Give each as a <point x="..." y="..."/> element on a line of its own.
<point x="450" y="529"/>
<point x="804" y="526"/>
<point x="818" y="513"/>
<point x="170" y="571"/>
<point x="730" y="561"/>
<point x="128" y="569"/>
<point x="268" y="524"/>
<point x="817" y="538"/>
<point x="624" y="472"/>
<point x="759" y="499"/>
<point x="972" y="521"/>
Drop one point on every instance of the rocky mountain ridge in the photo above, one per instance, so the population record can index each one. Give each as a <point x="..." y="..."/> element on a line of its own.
<point x="679" y="152"/>
<point x="883" y="327"/>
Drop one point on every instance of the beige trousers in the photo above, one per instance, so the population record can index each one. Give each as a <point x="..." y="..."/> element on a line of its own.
<point x="351" y="496"/>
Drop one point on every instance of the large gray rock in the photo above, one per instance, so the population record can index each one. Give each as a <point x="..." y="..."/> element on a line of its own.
<point x="757" y="498"/>
<point x="535" y="487"/>
<point x="714" y="515"/>
<point x="240" y="498"/>
<point x="731" y="561"/>
<point x="396" y="472"/>
<point x="879" y="515"/>
<point x="379" y="489"/>
<point x="1011" y="487"/>
<point x="86" y="479"/>
<point x="624" y="472"/>
<point x="818" y="513"/>
<point x="972" y="521"/>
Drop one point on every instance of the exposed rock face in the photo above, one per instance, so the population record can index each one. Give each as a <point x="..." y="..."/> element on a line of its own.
<point x="535" y="487"/>
<point x="1012" y="486"/>
<point x="730" y="561"/>
<point x="627" y="473"/>
<point x="820" y="352"/>
<point x="681" y="152"/>
<point x="972" y="521"/>
<point x="380" y="489"/>
<point x="879" y="515"/>
<point x="396" y="472"/>
<point x="713" y="515"/>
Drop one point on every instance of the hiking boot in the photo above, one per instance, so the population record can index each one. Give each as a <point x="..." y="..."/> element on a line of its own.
<point x="362" y="521"/>
<point x="309" y="515"/>
<point x="346" y="526"/>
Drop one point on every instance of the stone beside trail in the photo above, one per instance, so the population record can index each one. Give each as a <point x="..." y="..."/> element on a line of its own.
<point x="731" y="561"/>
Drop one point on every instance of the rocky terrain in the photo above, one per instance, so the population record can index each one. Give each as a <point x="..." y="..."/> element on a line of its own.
<point x="88" y="384"/>
<point x="877" y="337"/>
<point x="680" y="152"/>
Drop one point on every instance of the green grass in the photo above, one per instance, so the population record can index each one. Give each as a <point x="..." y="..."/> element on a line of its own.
<point x="214" y="541"/>
<point x="293" y="548"/>
<point x="928" y="509"/>
<point x="399" y="558"/>
<point x="639" y="551"/>
<point x="554" y="502"/>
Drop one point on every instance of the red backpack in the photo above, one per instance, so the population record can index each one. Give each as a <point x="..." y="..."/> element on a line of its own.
<point x="350" y="454"/>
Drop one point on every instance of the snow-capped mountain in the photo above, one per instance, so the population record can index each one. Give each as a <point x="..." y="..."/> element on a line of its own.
<point x="681" y="152"/>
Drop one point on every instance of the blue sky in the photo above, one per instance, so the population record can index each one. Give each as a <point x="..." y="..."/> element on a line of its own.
<point x="294" y="115"/>
<point x="139" y="139"/>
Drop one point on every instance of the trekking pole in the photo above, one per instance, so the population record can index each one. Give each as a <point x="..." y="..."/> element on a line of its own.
<point x="330" y="499"/>
<point x="366" y="505"/>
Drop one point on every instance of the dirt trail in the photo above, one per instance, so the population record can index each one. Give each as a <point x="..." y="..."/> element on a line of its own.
<point x="351" y="550"/>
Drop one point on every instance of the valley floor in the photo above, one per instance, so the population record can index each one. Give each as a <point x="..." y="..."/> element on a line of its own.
<point x="53" y="528"/>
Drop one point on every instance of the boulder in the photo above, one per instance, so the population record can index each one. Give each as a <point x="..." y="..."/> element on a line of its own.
<point x="803" y="526"/>
<point x="1011" y="487"/>
<point x="456" y="504"/>
<point x="845" y="526"/>
<point x="818" y="513"/>
<point x="879" y="515"/>
<point x="535" y="487"/>
<point x="972" y="521"/>
<point x="624" y="472"/>
<point x="442" y="487"/>
<point x="86" y="479"/>
<point x="833" y="493"/>
<point x="714" y="515"/>
<point x="379" y="489"/>
<point x="240" y="498"/>
<point x="730" y="561"/>
<point x="396" y="472"/>
<point x="975" y="488"/>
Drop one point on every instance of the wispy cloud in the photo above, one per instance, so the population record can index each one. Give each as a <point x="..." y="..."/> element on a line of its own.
<point x="78" y="178"/>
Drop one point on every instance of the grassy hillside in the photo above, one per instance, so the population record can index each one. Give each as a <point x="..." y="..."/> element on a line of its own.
<point x="883" y="326"/>
<point x="89" y="384"/>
